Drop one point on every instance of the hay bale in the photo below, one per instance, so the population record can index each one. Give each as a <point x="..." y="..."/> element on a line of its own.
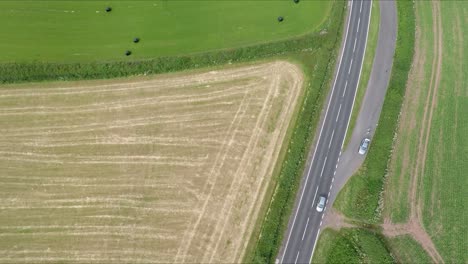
<point x="280" y="19"/>
<point x="296" y="1"/>
<point x="136" y="40"/>
<point x="108" y="9"/>
<point x="128" y="53"/>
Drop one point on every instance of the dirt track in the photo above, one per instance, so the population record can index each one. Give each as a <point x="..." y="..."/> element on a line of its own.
<point x="163" y="169"/>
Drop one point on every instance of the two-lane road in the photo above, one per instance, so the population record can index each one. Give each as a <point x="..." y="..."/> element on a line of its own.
<point x="305" y="223"/>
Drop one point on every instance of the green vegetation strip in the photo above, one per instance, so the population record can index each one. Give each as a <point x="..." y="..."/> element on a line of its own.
<point x="360" y="198"/>
<point x="366" y="67"/>
<point x="351" y="245"/>
<point x="265" y="242"/>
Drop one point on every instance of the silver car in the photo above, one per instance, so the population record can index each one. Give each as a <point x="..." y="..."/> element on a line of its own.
<point x="364" y="146"/>
<point x="321" y="204"/>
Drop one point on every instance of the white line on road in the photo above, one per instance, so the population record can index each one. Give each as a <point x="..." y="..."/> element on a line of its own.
<point x="315" y="195"/>
<point x="338" y="160"/>
<point x="305" y="229"/>
<point x="323" y="215"/>
<point x="340" y="154"/>
<point x="320" y="223"/>
<point x="346" y="85"/>
<point x="334" y="173"/>
<point x="360" y="9"/>
<point x="331" y="186"/>
<point x="354" y="48"/>
<point x="315" y="244"/>
<point x="336" y="167"/>
<point x="329" y="143"/>
<point x="350" y="66"/>
<point x="321" y="173"/>
<point x="333" y="179"/>
<point x="338" y="115"/>
<point x="296" y="257"/>
<point x="329" y="193"/>
<point x="358" y="22"/>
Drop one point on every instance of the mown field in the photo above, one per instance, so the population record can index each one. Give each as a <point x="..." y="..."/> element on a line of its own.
<point x="427" y="178"/>
<point x="81" y="31"/>
<point x="149" y="169"/>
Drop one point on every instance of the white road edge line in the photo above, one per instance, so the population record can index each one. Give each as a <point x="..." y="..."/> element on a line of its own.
<point x="305" y="229"/>
<point x="321" y="130"/>
<point x="315" y="244"/>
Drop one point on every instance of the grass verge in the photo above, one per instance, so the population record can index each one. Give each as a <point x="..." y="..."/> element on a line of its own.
<point x="366" y="67"/>
<point x="360" y="198"/>
<point x="351" y="245"/>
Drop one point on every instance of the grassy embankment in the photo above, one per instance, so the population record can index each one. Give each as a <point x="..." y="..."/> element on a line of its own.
<point x="360" y="198"/>
<point x="351" y="245"/>
<point x="81" y="31"/>
<point x="372" y="39"/>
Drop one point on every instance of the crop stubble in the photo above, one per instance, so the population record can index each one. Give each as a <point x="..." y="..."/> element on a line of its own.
<point x="163" y="169"/>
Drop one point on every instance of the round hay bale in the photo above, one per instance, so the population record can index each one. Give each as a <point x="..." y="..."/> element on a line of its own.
<point x="280" y="19"/>
<point x="128" y="53"/>
<point x="108" y="9"/>
<point x="296" y="1"/>
<point x="136" y="40"/>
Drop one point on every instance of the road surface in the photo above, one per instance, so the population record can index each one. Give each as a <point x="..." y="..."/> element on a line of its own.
<point x="318" y="181"/>
<point x="372" y="102"/>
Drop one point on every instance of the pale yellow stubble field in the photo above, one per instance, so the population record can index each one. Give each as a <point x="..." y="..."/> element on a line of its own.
<point x="161" y="169"/>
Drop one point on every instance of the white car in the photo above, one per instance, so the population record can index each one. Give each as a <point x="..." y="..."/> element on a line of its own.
<point x="364" y="146"/>
<point x="321" y="204"/>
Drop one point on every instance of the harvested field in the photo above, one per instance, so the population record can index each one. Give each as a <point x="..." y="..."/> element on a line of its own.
<point x="160" y="169"/>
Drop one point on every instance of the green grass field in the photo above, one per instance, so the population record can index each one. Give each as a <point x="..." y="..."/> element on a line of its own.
<point x="81" y="31"/>
<point x="444" y="193"/>
<point x="434" y="147"/>
<point x="351" y="245"/>
<point x="407" y="250"/>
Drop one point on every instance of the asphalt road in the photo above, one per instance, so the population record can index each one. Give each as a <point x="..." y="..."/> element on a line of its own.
<point x="372" y="102"/>
<point x="318" y="181"/>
